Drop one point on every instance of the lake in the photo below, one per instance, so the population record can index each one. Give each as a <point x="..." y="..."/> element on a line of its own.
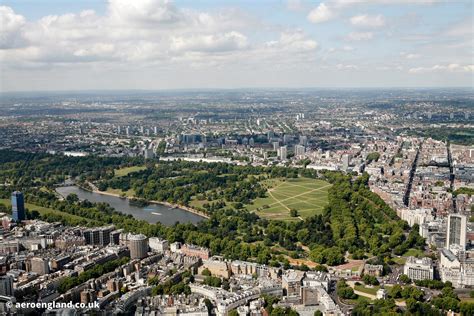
<point x="152" y="213"/>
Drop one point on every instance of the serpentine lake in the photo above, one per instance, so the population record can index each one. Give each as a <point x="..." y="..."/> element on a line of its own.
<point x="151" y="213"/>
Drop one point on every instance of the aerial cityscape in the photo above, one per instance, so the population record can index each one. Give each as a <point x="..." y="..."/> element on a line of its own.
<point x="236" y="195"/>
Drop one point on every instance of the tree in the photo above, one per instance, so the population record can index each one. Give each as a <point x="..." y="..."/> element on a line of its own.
<point x="209" y="305"/>
<point x="395" y="291"/>
<point x="213" y="281"/>
<point x="344" y="290"/>
<point x="466" y="308"/>
<point x="293" y="212"/>
<point x="322" y="268"/>
<point x="233" y="313"/>
<point x="268" y="301"/>
<point x="370" y="280"/>
<point x="72" y="198"/>
<point x="404" y="279"/>
<point x="225" y="285"/>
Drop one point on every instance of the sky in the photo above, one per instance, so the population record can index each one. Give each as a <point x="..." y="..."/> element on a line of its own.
<point x="190" y="44"/>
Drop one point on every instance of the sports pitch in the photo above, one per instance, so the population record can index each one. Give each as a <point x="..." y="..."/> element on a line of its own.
<point x="307" y="196"/>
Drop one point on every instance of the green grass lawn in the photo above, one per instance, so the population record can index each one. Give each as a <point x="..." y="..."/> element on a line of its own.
<point x="400" y="261"/>
<point x="358" y="300"/>
<point x="413" y="252"/>
<point x="368" y="290"/>
<point x="46" y="210"/>
<point x="307" y="196"/>
<point x="129" y="193"/>
<point x="125" y="171"/>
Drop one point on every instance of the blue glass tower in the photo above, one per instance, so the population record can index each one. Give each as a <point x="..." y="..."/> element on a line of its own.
<point x="18" y="207"/>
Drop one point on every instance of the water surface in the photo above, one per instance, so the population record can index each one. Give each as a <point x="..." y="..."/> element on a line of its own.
<point x="152" y="213"/>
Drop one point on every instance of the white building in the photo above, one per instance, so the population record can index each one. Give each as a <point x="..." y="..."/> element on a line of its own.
<point x="299" y="150"/>
<point x="416" y="216"/>
<point x="158" y="245"/>
<point x="283" y="153"/>
<point x="458" y="269"/>
<point x="419" y="269"/>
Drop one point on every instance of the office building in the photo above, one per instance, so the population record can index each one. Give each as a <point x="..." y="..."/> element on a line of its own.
<point x="158" y="245"/>
<point x="419" y="269"/>
<point x="99" y="236"/>
<point x="148" y="153"/>
<point x="18" y="207"/>
<point x="291" y="282"/>
<point x="39" y="265"/>
<point x="195" y="251"/>
<point x="345" y="162"/>
<point x="299" y="150"/>
<point x="457" y="268"/>
<point x="275" y="145"/>
<point x="283" y="152"/>
<point x="456" y="234"/>
<point x="303" y="140"/>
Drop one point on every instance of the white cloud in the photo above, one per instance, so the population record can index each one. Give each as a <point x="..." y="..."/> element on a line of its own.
<point x="99" y="49"/>
<point x="347" y="67"/>
<point x="442" y="68"/>
<point x="130" y="31"/>
<point x="347" y="3"/>
<point x="161" y="38"/>
<point x="11" y="25"/>
<point x="321" y="14"/>
<point x="360" y="36"/>
<point x="294" y="41"/>
<point x="368" y="21"/>
<point x="144" y="12"/>
<point x="210" y="43"/>
<point x="410" y="55"/>
<point x="463" y="29"/>
<point x="295" y="5"/>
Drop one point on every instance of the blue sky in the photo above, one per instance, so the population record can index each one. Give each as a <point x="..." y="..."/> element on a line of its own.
<point x="159" y="44"/>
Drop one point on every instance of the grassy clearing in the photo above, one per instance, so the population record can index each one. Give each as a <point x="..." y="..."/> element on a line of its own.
<point x="400" y="261"/>
<point x="307" y="196"/>
<point x="467" y="299"/>
<point x="125" y="171"/>
<point x="413" y="252"/>
<point x="368" y="290"/>
<point x="129" y="193"/>
<point x="46" y="211"/>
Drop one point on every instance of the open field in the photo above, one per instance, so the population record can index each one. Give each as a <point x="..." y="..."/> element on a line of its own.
<point x="413" y="252"/>
<point x="125" y="171"/>
<point x="400" y="260"/>
<point x="307" y="196"/>
<point x="369" y="290"/>
<point x="467" y="299"/>
<point x="129" y="193"/>
<point x="45" y="211"/>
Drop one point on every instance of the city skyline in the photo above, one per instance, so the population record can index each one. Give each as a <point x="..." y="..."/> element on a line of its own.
<point x="160" y="45"/>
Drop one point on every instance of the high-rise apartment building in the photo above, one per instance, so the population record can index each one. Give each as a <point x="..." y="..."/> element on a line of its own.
<point x="18" y="207"/>
<point x="456" y="233"/>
